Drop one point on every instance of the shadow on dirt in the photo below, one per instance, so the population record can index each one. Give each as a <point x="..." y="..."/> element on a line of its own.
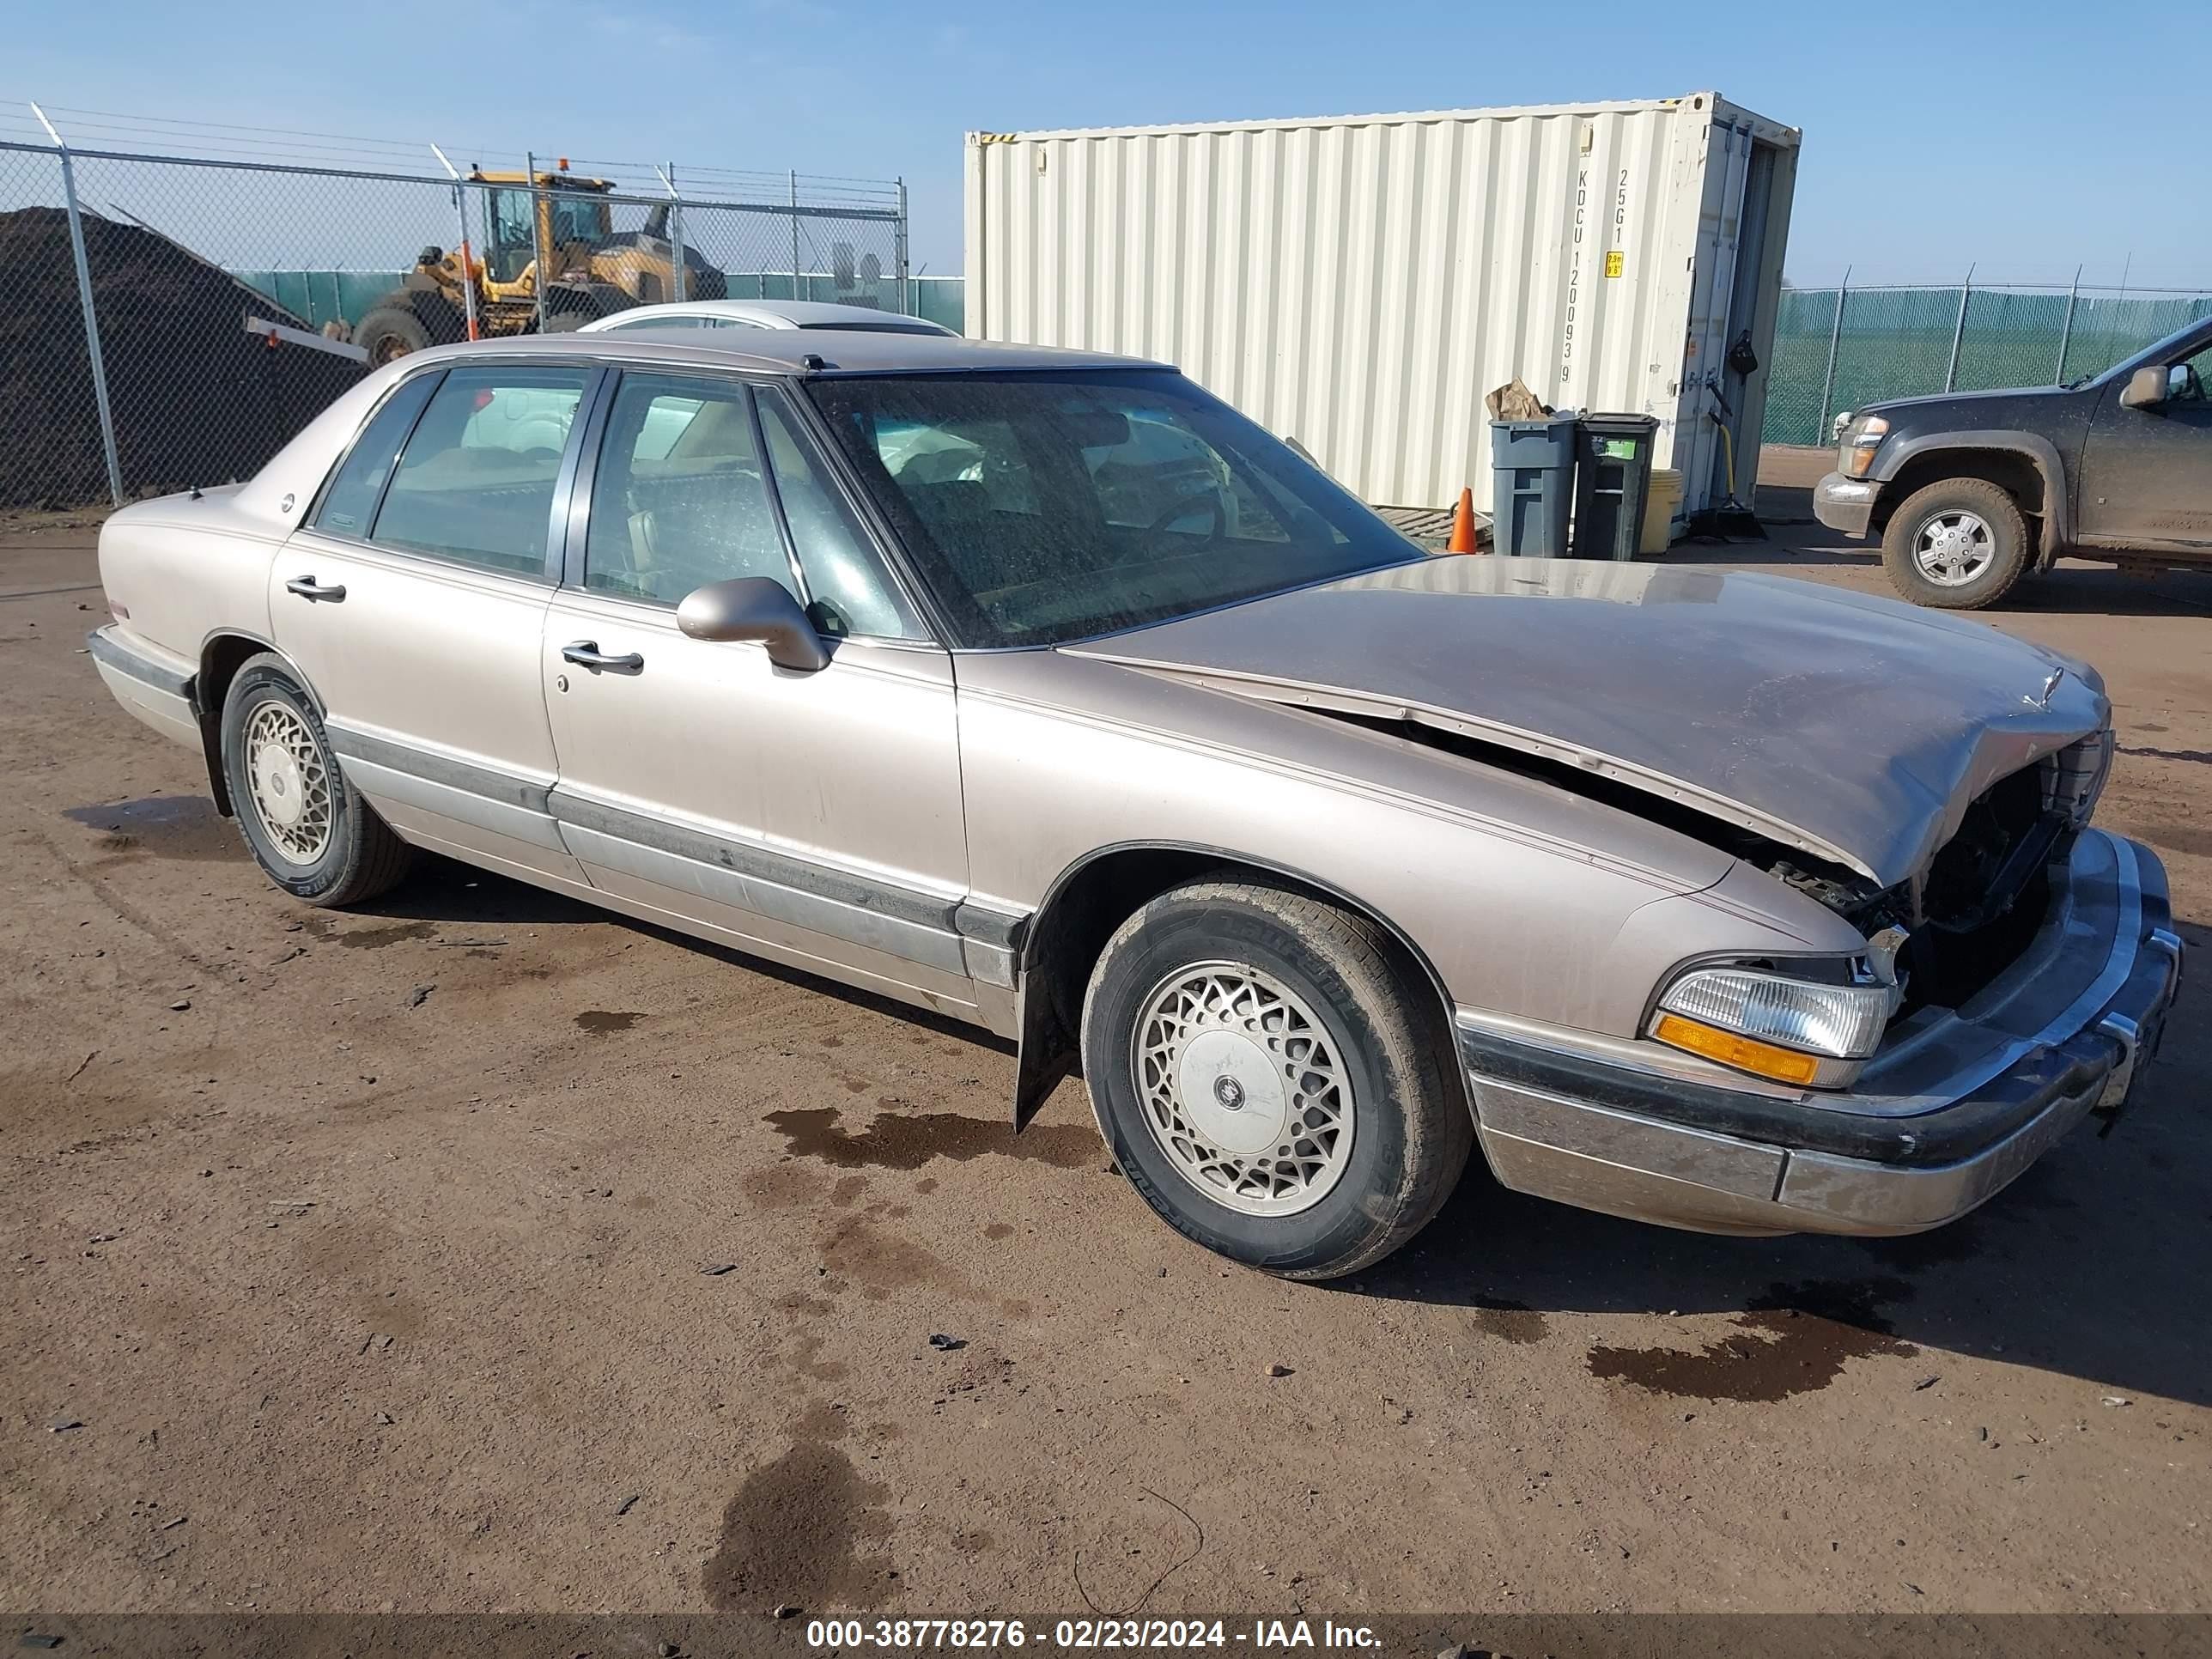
<point x="1797" y="541"/>
<point x="2092" y="1264"/>
<point x="461" y="905"/>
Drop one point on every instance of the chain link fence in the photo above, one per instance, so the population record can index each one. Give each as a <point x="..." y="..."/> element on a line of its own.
<point x="171" y="321"/>
<point x="1840" y="348"/>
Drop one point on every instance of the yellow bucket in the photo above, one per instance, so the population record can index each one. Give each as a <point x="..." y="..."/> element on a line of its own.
<point x="1660" y="504"/>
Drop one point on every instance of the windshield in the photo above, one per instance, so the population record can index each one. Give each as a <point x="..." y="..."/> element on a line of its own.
<point x="1049" y="507"/>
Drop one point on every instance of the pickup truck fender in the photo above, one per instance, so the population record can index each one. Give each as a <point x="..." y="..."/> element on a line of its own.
<point x="2058" y="499"/>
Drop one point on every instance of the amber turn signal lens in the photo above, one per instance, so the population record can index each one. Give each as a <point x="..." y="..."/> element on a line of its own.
<point x="1745" y="1054"/>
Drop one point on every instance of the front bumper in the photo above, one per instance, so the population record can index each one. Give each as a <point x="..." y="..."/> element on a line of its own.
<point x="1958" y="1104"/>
<point x="1845" y="504"/>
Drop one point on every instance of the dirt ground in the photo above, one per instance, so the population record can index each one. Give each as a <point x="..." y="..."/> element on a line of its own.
<point x="479" y="1252"/>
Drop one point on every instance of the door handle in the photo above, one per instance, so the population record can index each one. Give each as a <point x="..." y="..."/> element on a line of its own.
<point x="308" y="588"/>
<point x="586" y="653"/>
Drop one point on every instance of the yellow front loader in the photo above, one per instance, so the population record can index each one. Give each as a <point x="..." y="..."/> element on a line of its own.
<point x="564" y="227"/>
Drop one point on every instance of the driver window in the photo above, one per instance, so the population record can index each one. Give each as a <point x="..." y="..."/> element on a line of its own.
<point x="514" y="238"/>
<point x="677" y="499"/>
<point x="852" y="592"/>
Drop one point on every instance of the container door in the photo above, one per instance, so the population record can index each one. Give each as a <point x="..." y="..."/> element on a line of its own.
<point x="1735" y="379"/>
<point x="1698" y="450"/>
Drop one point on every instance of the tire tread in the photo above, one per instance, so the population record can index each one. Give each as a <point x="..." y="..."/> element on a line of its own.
<point x="1390" y="995"/>
<point x="2004" y="517"/>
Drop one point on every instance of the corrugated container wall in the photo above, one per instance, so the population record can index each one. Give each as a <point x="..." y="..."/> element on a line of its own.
<point x="1359" y="283"/>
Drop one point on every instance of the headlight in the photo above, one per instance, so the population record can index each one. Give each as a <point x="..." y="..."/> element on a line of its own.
<point x="1804" y="1032"/>
<point x="1861" y="438"/>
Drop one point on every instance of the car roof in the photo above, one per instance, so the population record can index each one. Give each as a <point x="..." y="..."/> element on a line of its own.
<point x="769" y="313"/>
<point x="798" y="352"/>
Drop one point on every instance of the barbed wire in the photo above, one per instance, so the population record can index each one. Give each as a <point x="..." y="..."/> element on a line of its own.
<point x="163" y="137"/>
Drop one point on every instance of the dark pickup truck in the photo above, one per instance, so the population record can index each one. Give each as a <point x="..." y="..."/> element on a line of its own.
<point x="1971" y="491"/>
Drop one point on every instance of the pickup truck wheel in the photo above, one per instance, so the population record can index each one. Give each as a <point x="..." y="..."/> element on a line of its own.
<point x="1957" y="545"/>
<point x="306" y="827"/>
<point x="1261" y="1069"/>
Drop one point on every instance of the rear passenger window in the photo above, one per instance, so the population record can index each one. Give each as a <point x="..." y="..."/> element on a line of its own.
<point x="475" y="483"/>
<point x="677" y="500"/>
<point x="350" y="501"/>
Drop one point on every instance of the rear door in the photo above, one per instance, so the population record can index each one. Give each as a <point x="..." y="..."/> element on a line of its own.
<point x="414" y="602"/>
<point x="811" y="818"/>
<point x="2146" y="473"/>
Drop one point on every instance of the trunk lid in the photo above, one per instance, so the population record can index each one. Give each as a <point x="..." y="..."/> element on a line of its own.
<point x="1853" y="728"/>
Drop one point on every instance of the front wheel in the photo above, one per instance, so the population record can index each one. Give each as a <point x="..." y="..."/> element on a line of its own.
<point x="1957" y="545"/>
<point x="307" y="827"/>
<point x="1262" y="1067"/>
<point x="389" y="333"/>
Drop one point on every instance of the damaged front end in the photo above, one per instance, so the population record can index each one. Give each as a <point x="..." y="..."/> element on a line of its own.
<point x="1969" y="913"/>
<point x="2030" y="965"/>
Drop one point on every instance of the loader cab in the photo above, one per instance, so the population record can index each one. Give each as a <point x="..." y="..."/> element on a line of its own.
<point x="565" y="216"/>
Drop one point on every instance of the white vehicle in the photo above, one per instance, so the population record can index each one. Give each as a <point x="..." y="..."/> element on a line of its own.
<point x="763" y="313"/>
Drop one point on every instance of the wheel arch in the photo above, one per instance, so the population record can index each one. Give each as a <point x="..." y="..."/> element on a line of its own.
<point x="222" y="653"/>
<point x="2008" y="460"/>
<point x="1098" y="892"/>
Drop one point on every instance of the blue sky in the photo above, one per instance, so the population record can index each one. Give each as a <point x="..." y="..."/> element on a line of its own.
<point x="2024" y="137"/>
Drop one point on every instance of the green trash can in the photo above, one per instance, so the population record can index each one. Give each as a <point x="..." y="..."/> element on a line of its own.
<point x="1612" y="478"/>
<point x="1533" y="486"/>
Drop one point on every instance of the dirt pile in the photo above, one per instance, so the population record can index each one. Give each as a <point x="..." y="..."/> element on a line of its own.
<point x="196" y="400"/>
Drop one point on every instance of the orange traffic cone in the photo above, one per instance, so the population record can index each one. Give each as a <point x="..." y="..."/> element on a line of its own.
<point x="1462" y="530"/>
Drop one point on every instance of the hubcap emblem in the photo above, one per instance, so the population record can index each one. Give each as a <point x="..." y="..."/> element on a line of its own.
<point x="1229" y="1092"/>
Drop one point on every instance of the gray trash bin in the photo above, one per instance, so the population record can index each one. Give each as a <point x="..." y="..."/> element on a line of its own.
<point x="1613" y="478"/>
<point x="1533" y="486"/>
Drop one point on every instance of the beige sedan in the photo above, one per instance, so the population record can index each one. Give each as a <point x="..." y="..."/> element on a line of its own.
<point x="1042" y="689"/>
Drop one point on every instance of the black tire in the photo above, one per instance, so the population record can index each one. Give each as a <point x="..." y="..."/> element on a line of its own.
<point x="389" y="332"/>
<point x="361" y="857"/>
<point x="569" y="306"/>
<point x="2011" y="558"/>
<point x="1411" y="1130"/>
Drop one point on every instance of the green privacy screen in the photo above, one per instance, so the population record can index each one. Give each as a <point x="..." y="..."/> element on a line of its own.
<point x="325" y="296"/>
<point x="1897" y="343"/>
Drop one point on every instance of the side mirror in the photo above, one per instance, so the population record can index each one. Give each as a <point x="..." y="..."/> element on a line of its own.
<point x="754" y="608"/>
<point x="2147" y="389"/>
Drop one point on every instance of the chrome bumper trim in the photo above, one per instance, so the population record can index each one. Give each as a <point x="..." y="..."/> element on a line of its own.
<point x="1589" y="1130"/>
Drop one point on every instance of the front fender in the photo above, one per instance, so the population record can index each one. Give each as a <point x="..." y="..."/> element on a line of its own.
<point x="2057" y="494"/>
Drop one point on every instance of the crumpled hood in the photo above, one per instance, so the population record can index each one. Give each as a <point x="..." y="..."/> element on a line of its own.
<point x="1854" y="728"/>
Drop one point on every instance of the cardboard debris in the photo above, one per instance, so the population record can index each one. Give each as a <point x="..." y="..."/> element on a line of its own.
<point x="1514" y="402"/>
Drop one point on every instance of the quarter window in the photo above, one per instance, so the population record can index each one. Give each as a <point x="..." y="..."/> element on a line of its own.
<point x="349" y="503"/>
<point x="677" y="499"/>
<point x="475" y="483"/>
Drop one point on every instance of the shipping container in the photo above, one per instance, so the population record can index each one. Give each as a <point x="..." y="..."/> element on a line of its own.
<point x="1359" y="282"/>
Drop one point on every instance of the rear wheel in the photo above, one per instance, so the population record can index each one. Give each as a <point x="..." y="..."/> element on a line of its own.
<point x="1957" y="545"/>
<point x="310" y="831"/>
<point x="1261" y="1069"/>
<point x="389" y="333"/>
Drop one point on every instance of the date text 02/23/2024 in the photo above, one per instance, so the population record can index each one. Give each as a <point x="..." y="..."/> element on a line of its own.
<point x="916" y="1635"/>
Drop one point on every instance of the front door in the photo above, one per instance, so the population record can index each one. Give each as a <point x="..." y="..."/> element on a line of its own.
<point x="415" y="605"/>
<point x="2146" y="473"/>
<point x="811" y="818"/>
